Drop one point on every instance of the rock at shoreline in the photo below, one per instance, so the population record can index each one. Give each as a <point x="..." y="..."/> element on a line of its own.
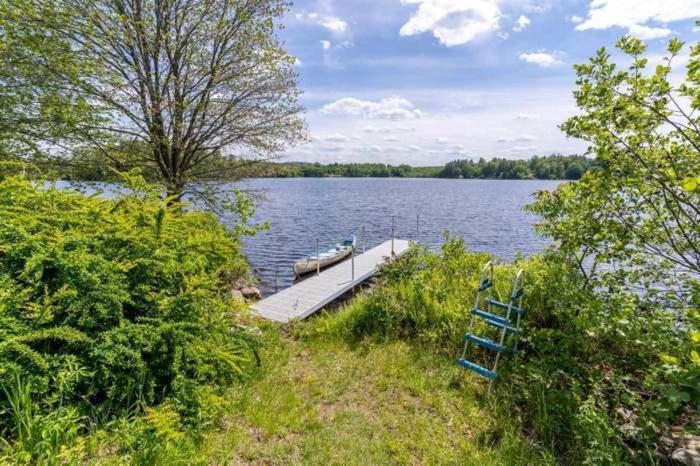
<point x="244" y="290"/>
<point x="251" y="292"/>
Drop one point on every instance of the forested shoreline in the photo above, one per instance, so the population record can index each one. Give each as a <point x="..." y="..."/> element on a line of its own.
<point x="91" y="167"/>
<point x="552" y="167"/>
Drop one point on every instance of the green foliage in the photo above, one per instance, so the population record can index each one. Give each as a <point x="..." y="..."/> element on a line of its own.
<point x="43" y="438"/>
<point x="634" y="221"/>
<point x="351" y="170"/>
<point x="33" y="106"/>
<point x="631" y="229"/>
<point x="553" y="167"/>
<point x="109" y="306"/>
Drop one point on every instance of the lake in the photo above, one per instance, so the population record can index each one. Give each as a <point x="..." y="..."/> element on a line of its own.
<point x="488" y="214"/>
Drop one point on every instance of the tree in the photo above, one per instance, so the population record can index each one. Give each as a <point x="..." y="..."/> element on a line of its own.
<point x="195" y="81"/>
<point x="635" y="219"/>
<point x="574" y="171"/>
<point x="36" y="108"/>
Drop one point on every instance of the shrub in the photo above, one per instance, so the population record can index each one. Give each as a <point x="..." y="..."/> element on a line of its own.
<point x="111" y="305"/>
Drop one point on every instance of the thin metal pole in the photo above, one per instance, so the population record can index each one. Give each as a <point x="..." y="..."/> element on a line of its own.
<point x="364" y="239"/>
<point x="417" y="227"/>
<point x="318" y="259"/>
<point x="392" y="236"/>
<point x="353" y="268"/>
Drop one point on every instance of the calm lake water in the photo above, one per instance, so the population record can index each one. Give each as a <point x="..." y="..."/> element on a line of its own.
<point x="488" y="214"/>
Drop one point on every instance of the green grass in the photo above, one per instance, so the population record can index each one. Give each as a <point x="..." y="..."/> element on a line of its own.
<point x="321" y="401"/>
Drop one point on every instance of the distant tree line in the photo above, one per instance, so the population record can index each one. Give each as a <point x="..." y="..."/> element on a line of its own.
<point x="88" y="165"/>
<point x="351" y="170"/>
<point x="552" y="167"/>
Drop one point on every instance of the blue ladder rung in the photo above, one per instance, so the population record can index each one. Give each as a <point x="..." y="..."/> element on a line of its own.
<point x="493" y="302"/>
<point x="485" y="284"/>
<point x="482" y="371"/>
<point x="501" y="325"/>
<point x="490" y="316"/>
<point x="484" y="342"/>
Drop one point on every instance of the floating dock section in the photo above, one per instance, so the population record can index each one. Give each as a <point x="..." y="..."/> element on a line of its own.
<point x="305" y="298"/>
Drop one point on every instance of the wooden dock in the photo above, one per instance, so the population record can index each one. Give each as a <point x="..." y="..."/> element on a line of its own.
<point x="305" y="298"/>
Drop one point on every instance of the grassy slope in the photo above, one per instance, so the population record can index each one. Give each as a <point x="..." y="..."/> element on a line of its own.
<point x="327" y="402"/>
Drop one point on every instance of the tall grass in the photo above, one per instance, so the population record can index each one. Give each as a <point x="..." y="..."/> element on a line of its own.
<point x="36" y="436"/>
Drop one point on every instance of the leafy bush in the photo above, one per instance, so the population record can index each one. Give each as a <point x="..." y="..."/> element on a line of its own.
<point x="108" y="306"/>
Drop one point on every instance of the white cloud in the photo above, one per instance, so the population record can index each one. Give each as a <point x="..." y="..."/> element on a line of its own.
<point x="442" y="140"/>
<point x="533" y="6"/>
<point x="298" y="62"/>
<point x="636" y="15"/>
<point x="525" y="138"/>
<point x="521" y="138"/>
<point x="648" y="33"/>
<point x="326" y="45"/>
<point x="541" y="58"/>
<point x="371" y="129"/>
<point x="503" y="35"/>
<point x="330" y="22"/>
<point x="521" y="23"/>
<point x="476" y="128"/>
<point x="576" y="19"/>
<point x="375" y="149"/>
<point x="521" y="149"/>
<point x="337" y="137"/>
<point x="453" y="22"/>
<point x="390" y="108"/>
<point x="391" y="139"/>
<point x="334" y="24"/>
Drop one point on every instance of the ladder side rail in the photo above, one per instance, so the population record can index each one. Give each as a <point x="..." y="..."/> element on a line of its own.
<point x="521" y="286"/>
<point x="516" y="280"/>
<point x="486" y="274"/>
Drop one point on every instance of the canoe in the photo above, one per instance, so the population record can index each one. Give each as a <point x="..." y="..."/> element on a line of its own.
<point x="337" y="253"/>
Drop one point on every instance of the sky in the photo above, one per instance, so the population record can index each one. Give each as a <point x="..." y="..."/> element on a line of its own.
<point x="423" y="82"/>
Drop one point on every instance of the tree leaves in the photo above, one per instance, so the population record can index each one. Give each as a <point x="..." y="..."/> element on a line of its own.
<point x="634" y="222"/>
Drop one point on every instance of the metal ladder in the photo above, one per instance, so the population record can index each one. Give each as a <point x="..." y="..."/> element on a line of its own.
<point x="486" y="309"/>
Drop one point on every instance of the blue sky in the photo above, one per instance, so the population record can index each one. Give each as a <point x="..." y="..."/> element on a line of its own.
<point x="427" y="81"/>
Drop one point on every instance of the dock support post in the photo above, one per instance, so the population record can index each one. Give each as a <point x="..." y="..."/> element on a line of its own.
<point x="364" y="240"/>
<point x="318" y="259"/>
<point x="353" y="268"/>
<point x="276" y="276"/>
<point x="392" y="237"/>
<point x="417" y="227"/>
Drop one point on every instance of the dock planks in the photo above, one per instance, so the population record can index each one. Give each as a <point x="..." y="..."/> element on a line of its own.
<point x="305" y="298"/>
